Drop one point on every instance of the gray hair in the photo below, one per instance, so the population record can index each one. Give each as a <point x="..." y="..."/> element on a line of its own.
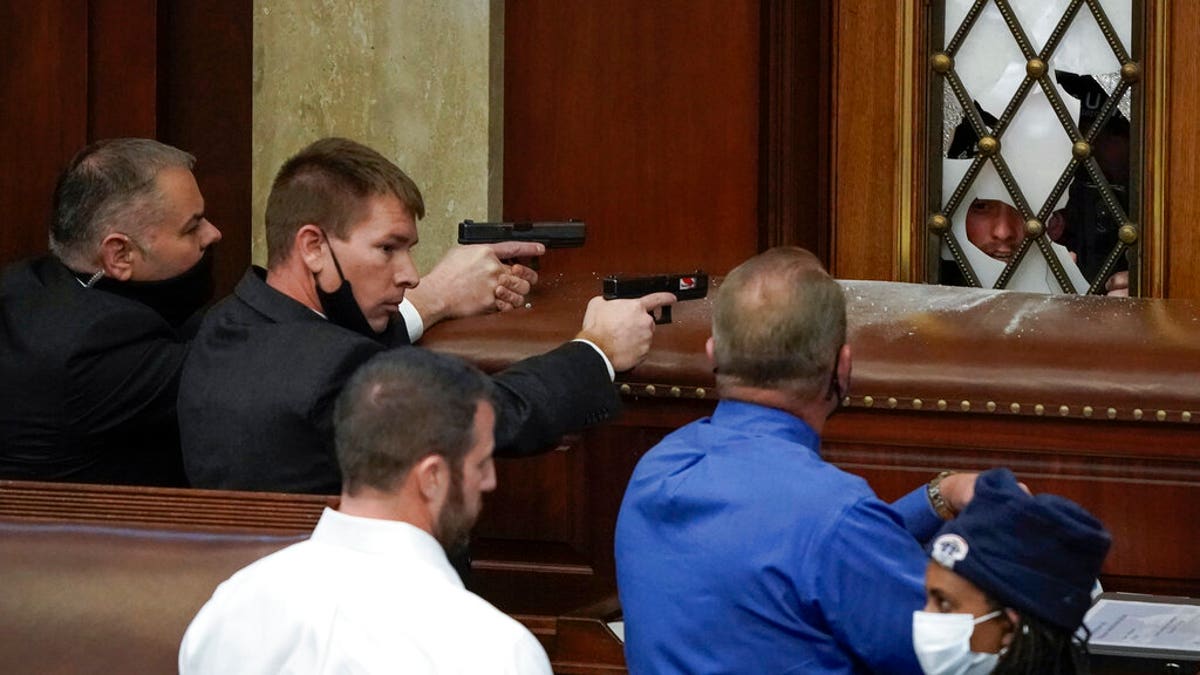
<point x="779" y="321"/>
<point x="108" y="186"/>
<point x="402" y="405"/>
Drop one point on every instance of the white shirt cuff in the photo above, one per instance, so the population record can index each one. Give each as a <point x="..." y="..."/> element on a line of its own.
<point x="412" y="321"/>
<point x="612" y="374"/>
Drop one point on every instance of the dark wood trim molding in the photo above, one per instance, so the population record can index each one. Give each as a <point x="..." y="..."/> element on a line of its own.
<point x="793" y="138"/>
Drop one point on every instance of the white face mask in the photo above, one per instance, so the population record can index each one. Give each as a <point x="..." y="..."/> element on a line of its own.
<point x="943" y="644"/>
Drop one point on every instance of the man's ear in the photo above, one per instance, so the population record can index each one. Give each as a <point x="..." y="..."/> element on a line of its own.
<point x="116" y="256"/>
<point x="844" y="367"/>
<point x="710" y="347"/>
<point x="308" y="244"/>
<point x="432" y="474"/>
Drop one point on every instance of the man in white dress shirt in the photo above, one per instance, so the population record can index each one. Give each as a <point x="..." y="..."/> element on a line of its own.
<point x="372" y="590"/>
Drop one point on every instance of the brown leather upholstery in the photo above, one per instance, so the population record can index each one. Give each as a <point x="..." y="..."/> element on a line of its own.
<point x="87" y="598"/>
<point x="916" y="341"/>
<point x="953" y="344"/>
<point x="102" y="579"/>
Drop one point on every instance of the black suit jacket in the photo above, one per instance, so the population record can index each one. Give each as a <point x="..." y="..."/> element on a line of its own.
<point x="258" y="388"/>
<point x="88" y="382"/>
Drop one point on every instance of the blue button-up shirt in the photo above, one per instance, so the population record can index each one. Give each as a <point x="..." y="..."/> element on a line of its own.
<point x="739" y="550"/>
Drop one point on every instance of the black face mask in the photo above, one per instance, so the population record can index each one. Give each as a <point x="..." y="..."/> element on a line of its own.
<point x="340" y="307"/>
<point x="175" y="299"/>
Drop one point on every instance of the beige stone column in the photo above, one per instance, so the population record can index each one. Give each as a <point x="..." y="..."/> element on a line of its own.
<point x="418" y="80"/>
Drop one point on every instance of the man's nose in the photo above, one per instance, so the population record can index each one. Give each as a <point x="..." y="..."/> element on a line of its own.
<point x="1008" y="227"/>
<point x="211" y="234"/>
<point x="406" y="273"/>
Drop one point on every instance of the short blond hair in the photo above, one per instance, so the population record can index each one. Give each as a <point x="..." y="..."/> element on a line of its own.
<point x="328" y="184"/>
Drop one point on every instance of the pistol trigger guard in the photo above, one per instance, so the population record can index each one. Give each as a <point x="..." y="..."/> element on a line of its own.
<point x="664" y="315"/>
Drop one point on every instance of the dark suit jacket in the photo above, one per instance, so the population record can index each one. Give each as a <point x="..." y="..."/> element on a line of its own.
<point x="258" y="388"/>
<point x="87" y="382"/>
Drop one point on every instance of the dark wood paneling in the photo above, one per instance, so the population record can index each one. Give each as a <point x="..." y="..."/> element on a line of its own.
<point x="182" y="509"/>
<point x="43" y="96"/>
<point x="1182" y="170"/>
<point x="1132" y="476"/>
<point x="78" y="72"/>
<point x="553" y="513"/>
<point x="793" y="145"/>
<point x="866" y="102"/>
<point x="640" y="118"/>
<point x="205" y="107"/>
<point x="121" y="70"/>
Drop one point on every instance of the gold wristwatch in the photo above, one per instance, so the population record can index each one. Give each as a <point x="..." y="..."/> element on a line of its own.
<point x="936" y="500"/>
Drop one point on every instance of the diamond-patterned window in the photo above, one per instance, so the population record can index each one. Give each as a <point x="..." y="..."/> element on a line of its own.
<point x="1032" y="177"/>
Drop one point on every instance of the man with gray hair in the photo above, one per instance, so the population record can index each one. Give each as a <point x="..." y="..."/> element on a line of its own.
<point x="372" y="591"/>
<point x="92" y="336"/>
<point x="738" y="548"/>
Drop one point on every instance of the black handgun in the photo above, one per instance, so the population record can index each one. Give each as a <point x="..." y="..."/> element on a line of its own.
<point x="686" y="286"/>
<point x="568" y="234"/>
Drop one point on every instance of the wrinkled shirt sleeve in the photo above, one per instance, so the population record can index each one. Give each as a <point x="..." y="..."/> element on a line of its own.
<point x="871" y="579"/>
<point x="921" y="521"/>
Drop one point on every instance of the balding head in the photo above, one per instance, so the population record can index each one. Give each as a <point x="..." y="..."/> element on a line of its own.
<point x="109" y="186"/>
<point x="778" y="323"/>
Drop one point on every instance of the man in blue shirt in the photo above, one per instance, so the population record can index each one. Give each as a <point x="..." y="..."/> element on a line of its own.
<point x="739" y="550"/>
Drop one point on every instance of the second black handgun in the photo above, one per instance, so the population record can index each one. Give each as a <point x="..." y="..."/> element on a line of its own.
<point x="686" y="286"/>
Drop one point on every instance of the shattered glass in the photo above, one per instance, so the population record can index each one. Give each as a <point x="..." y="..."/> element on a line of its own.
<point x="1078" y="201"/>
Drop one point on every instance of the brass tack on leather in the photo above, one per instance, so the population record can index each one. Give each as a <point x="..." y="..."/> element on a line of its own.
<point x="676" y="392"/>
<point x="1137" y="413"/>
<point x="1161" y="415"/>
<point x="1081" y="149"/>
<point x="1131" y="72"/>
<point x="1039" y="409"/>
<point x="1035" y="68"/>
<point x="846" y="401"/>
<point x="892" y="401"/>
<point x="917" y="403"/>
<point x="1112" y="413"/>
<point x="991" y="406"/>
<point x="868" y="401"/>
<point x="700" y="392"/>
<point x="1186" y="416"/>
<point x="1087" y="411"/>
<point x="1034" y="227"/>
<point x="988" y="146"/>
<point x="1064" y="410"/>
<point x="1015" y="407"/>
<point x="965" y="405"/>
<point x="941" y="404"/>
<point x="941" y="62"/>
<point x="650" y="389"/>
<point x="625" y="389"/>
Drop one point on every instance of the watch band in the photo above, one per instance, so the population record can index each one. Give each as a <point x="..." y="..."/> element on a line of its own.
<point x="936" y="500"/>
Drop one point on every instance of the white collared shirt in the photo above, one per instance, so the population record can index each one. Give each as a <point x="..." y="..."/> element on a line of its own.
<point x="361" y="596"/>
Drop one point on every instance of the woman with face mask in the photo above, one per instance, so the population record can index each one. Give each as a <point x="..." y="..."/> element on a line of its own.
<point x="1008" y="584"/>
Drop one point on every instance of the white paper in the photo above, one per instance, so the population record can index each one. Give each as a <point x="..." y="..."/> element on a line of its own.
<point x="1127" y="623"/>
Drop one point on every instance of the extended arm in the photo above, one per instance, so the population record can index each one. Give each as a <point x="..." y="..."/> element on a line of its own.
<point x="872" y="578"/>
